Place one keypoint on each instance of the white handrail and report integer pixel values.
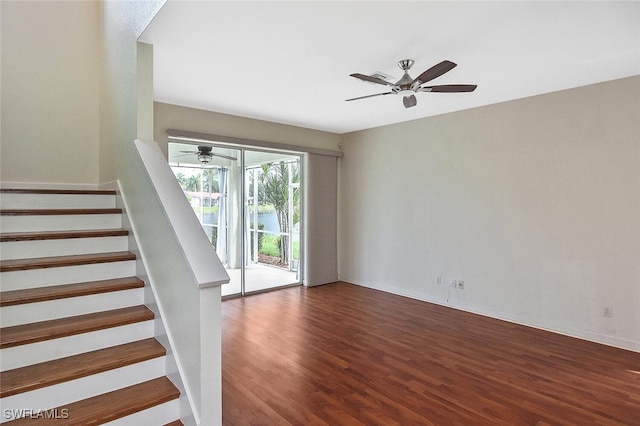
(190, 313)
(198, 252)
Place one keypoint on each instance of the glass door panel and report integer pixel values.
(248, 204)
(214, 190)
(272, 188)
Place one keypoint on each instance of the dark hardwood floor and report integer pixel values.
(341, 354)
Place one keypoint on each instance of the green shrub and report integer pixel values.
(270, 245)
(260, 235)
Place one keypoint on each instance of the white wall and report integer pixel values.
(50, 85)
(320, 219)
(534, 203)
(125, 105)
(122, 22)
(167, 116)
(68, 89)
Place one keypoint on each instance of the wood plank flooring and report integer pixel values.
(65, 291)
(57, 212)
(109, 406)
(68, 326)
(61, 235)
(341, 354)
(60, 370)
(60, 261)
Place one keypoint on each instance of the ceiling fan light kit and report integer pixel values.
(204, 158)
(409, 101)
(407, 86)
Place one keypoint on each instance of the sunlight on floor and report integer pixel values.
(259, 277)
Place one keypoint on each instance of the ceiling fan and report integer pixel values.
(407, 87)
(205, 155)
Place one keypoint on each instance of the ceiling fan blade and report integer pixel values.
(434, 71)
(409, 101)
(372, 79)
(449, 88)
(228, 157)
(190, 152)
(369, 96)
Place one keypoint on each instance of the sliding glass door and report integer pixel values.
(248, 203)
(272, 182)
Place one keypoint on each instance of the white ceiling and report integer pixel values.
(289, 62)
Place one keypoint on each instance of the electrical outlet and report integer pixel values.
(438, 280)
(460, 284)
(608, 311)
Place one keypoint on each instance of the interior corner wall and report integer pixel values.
(145, 91)
(122, 23)
(534, 203)
(50, 92)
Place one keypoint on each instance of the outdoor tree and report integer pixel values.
(274, 180)
(182, 180)
(193, 183)
(210, 180)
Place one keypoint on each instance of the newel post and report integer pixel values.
(210, 351)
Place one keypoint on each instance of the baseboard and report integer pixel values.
(112, 185)
(307, 284)
(49, 185)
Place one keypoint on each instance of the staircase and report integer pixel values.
(76, 343)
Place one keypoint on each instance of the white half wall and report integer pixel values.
(534, 203)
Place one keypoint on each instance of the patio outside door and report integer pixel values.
(248, 203)
(272, 188)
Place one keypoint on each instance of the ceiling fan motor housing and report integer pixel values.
(204, 154)
(406, 82)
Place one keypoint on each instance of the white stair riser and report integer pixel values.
(56, 201)
(16, 357)
(73, 222)
(62, 247)
(20, 356)
(54, 309)
(17, 280)
(86, 387)
(159, 415)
